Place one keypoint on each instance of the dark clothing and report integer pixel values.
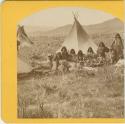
(80, 58)
(57, 59)
(101, 51)
(90, 55)
(64, 56)
(118, 47)
(113, 57)
(72, 58)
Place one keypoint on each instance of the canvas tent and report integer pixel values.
(23, 67)
(78, 39)
(22, 37)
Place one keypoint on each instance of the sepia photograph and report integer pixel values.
(70, 64)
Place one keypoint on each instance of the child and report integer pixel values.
(50, 61)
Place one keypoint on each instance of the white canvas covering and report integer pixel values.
(78, 39)
(22, 37)
(23, 67)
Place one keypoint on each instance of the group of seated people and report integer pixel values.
(90, 59)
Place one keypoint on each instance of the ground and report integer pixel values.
(77, 94)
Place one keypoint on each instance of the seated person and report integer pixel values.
(80, 57)
(100, 60)
(72, 56)
(90, 52)
(90, 57)
(102, 49)
(64, 53)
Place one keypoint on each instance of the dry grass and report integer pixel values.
(50, 44)
(73, 95)
(77, 94)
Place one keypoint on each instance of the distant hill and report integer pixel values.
(49, 39)
(37, 30)
(113, 25)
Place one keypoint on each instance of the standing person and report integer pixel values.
(117, 45)
(50, 61)
(57, 59)
(102, 49)
(112, 56)
(64, 59)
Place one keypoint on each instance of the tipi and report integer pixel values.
(23, 67)
(78, 39)
(22, 38)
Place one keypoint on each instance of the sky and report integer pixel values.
(55, 17)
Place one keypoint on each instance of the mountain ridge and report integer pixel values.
(109, 26)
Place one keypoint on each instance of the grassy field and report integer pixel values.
(77, 94)
(50, 44)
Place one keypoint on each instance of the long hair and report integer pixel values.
(101, 44)
(72, 51)
(80, 53)
(90, 50)
(64, 48)
(119, 37)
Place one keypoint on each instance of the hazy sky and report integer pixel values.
(55, 17)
